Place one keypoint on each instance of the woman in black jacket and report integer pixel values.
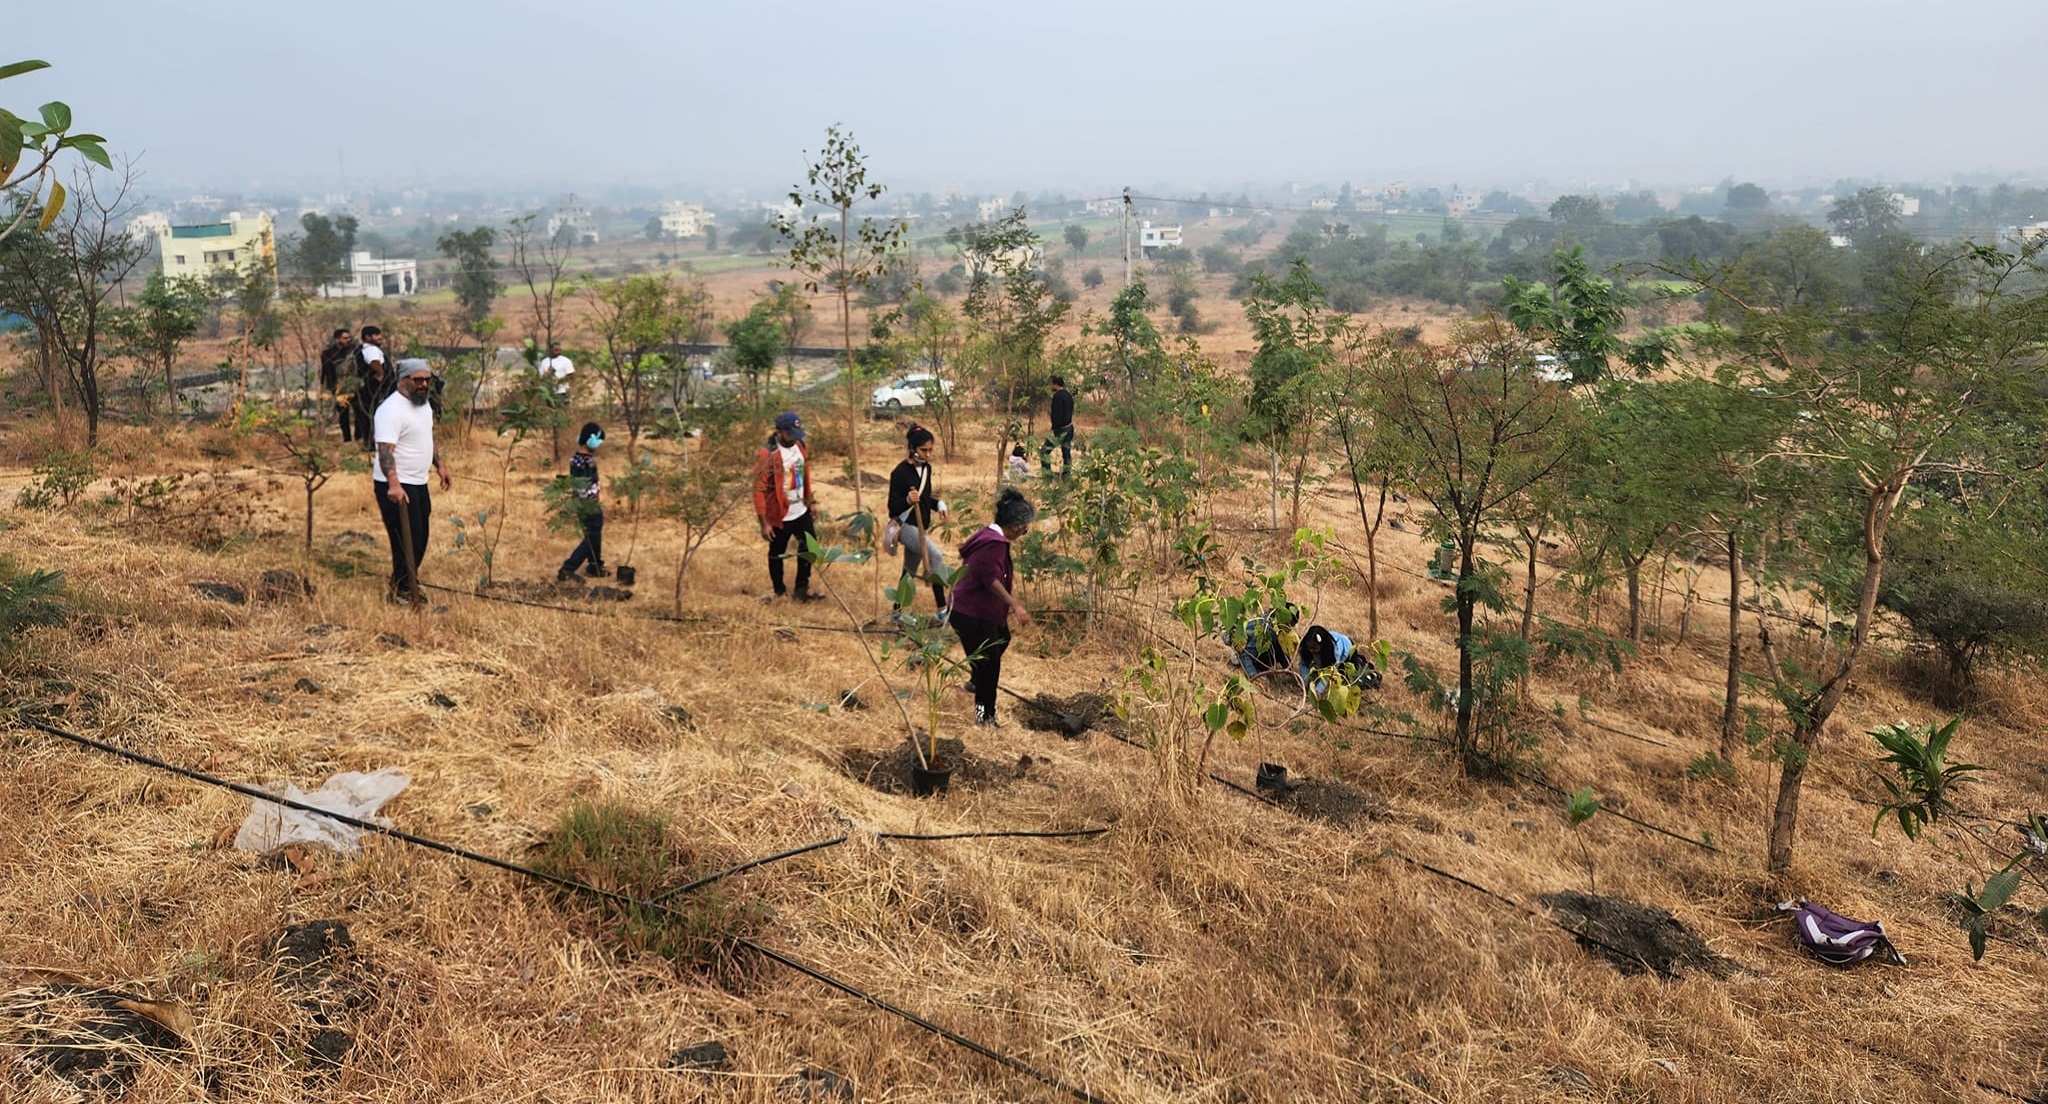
(913, 501)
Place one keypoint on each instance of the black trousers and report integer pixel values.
(592, 548)
(346, 415)
(984, 642)
(778, 547)
(419, 507)
(1064, 437)
(365, 424)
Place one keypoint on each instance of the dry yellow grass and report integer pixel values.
(1214, 949)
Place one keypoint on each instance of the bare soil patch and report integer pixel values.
(1635, 938)
(889, 770)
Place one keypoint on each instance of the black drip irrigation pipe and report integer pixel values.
(950, 1036)
(579, 887)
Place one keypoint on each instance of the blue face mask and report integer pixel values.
(591, 443)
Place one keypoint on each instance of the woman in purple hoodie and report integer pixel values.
(984, 599)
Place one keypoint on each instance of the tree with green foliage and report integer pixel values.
(66, 277)
(321, 256)
(1017, 312)
(1478, 432)
(1297, 337)
(1866, 218)
(165, 316)
(1077, 238)
(28, 155)
(1897, 385)
(840, 253)
(756, 342)
(477, 285)
(633, 317)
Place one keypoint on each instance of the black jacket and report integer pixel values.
(906, 478)
(1062, 409)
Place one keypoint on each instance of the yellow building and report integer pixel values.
(217, 246)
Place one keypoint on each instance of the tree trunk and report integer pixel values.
(1275, 513)
(1462, 736)
(1807, 723)
(309, 519)
(1534, 539)
(1633, 570)
(1731, 728)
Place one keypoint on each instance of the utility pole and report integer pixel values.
(1127, 236)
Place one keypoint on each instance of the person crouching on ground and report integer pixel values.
(913, 502)
(583, 478)
(783, 502)
(984, 598)
(404, 433)
(1325, 652)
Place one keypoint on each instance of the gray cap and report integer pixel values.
(413, 366)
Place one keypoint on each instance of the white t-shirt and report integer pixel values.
(561, 368)
(793, 476)
(409, 430)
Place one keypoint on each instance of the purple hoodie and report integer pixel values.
(984, 558)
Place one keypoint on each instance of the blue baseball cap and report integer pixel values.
(788, 422)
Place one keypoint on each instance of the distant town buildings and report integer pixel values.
(1461, 203)
(375, 279)
(230, 245)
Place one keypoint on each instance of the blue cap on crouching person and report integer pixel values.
(788, 422)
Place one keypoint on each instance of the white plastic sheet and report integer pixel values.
(350, 793)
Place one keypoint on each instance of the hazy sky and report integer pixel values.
(1085, 96)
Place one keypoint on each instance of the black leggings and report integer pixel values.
(984, 642)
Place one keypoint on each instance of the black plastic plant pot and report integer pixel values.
(926, 781)
(1272, 778)
(626, 575)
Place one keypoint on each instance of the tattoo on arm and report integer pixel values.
(387, 460)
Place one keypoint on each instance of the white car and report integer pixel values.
(908, 392)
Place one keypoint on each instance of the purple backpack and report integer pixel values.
(1835, 939)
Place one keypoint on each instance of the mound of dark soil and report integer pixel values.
(1092, 709)
(889, 770)
(1337, 802)
(95, 1039)
(1635, 938)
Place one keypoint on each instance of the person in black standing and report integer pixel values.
(913, 501)
(583, 477)
(374, 383)
(1062, 432)
(337, 357)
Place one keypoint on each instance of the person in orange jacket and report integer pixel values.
(784, 503)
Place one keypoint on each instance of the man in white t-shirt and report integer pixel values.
(560, 368)
(404, 432)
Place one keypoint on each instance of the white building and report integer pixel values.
(1908, 206)
(1152, 238)
(375, 279)
(148, 226)
(684, 220)
(571, 218)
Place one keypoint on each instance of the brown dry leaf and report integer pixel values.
(225, 838)
(169, 1015)
(188, 670)
(313, 881)
(301, 859)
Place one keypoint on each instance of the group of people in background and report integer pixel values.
(386, 408)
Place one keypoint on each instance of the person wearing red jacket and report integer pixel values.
(783, 502)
